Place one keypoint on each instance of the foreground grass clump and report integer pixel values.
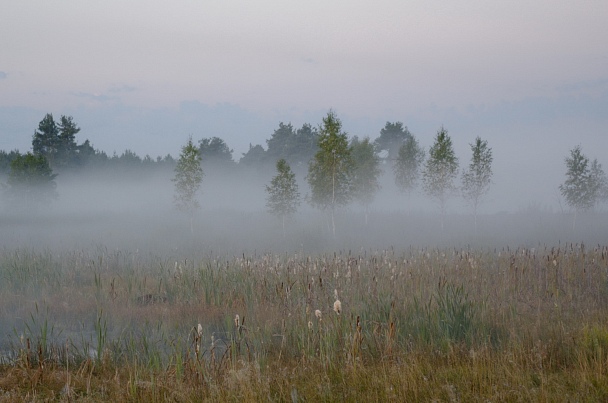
(388, 326)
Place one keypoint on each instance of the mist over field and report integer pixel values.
(121, 280)
(134, 211)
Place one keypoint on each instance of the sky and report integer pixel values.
(530, 76)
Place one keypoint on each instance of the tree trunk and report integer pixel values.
(475, 220)
(283, 217)
(333, 223)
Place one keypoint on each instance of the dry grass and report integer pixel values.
(454, 325)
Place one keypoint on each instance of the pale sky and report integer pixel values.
(147, 74)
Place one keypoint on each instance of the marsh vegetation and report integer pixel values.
(412, 324)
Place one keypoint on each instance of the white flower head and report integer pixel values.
(338, 307)
(199, 330)
(318, 314)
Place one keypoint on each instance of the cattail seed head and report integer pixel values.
(237, 321)
(338, 307)
(318, 314)
(199, 330)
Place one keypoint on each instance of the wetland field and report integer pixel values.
(132, 310)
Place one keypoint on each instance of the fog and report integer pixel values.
(133, 211)
(127, 219)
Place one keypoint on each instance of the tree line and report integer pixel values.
(338, 170)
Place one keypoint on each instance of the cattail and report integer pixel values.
(337, 307)
(199, 330)
(318, 314)
(336, 294)
(237, 321)
(309, 325)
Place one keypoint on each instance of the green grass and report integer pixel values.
(443, 324)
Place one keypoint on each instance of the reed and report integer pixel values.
(419, 324)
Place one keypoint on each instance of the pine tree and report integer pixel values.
(46, 140)
(67, 150)
(283, 196)
(188, 177)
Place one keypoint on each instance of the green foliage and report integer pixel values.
(57, 142)
(408, 163)
(477, 179)
(392, 137)
(254, 158)
(188, 178)
(306, 143)
(5, 160)
(283, 196)
(330, 172)
(215, 151)
(366, 171)
(595, 343)
(440, 170)
(31, 182)
(488, 328)
(46, 139)
(450, 316)
(68, 150)
(280, 144)
(297, 147)
(128, 159)
(585, 183)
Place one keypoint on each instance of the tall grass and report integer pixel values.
(420, 324)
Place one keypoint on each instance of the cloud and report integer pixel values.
(3, 75)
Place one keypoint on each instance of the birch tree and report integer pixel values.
(440, 171)
(476, 180)
(188, 178)
(283, 195)
(330, 171)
